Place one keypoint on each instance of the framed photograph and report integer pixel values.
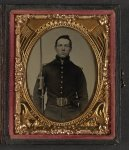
(62, 74)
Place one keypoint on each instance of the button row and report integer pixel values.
(61, 87)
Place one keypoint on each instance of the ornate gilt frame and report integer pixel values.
(98, 28)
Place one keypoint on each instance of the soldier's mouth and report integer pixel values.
(63, 54)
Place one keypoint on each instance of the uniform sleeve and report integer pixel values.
(37, 92)
(82, 90)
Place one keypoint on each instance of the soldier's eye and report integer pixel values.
(67, 45)
(59, 45)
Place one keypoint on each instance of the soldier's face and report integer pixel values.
(63, 48)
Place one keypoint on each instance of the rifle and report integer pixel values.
(41, 79)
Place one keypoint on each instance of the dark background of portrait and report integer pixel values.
(122, 142)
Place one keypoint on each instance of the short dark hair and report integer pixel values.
(64, 37)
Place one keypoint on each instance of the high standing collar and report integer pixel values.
(66, 59)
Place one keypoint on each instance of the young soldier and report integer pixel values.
(64, 83)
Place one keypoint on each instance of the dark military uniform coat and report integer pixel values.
(62, 80)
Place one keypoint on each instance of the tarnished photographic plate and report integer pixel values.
(71, 53)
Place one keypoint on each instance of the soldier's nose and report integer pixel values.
(63, 48)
